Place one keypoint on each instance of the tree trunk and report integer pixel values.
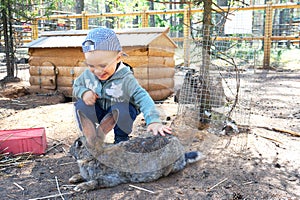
(8, 39)
(152, 20)
(11, 45)
(220, 19)
(79, 8)
(181, 20)
(135, 21)
(109, 20)
(207, 25)
(205, 104)
(172, 24)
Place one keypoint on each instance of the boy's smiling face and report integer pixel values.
(102, 63)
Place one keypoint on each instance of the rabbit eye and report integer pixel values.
(78, 143)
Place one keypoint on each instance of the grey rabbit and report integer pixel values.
(137, 160)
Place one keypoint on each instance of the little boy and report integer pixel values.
(109, 84)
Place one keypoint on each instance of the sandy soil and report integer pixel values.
(261, 163)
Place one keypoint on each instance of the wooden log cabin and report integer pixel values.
(56, 59)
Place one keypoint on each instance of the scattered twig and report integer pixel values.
(1, 152)
(19, 186)
(228, 142)
(68, 163)
(143, 189)
(8, 160)
(52, 196)
(247, 183)
(270, 139)
(293, 133)
(209, 189)
(287, 131)
(9, 136)
(58, 189)
(53, 147)
(66, 153)
(68, 186)
(237, 78)
(15, 164)
(58, 141)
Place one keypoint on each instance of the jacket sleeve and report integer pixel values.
(79, 86)
(143, 100)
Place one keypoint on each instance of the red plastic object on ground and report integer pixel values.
(32, 140)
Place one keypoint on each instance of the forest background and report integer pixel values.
(17, 15)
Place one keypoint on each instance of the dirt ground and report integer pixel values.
(261, 163)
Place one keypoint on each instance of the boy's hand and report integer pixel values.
(89, 98)
(159, 128)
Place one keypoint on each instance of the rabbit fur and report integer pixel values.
(137, 160)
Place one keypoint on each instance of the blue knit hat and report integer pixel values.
(101, 39)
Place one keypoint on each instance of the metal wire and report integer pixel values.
(211, 94)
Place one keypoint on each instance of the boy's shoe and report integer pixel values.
(120, 139)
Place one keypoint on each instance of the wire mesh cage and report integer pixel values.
(214, 94)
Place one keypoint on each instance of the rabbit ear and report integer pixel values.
(108, 122)
(88, 128)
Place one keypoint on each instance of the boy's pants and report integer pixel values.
(127, 115)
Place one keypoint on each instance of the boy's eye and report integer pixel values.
(102, 66)
(92, 66)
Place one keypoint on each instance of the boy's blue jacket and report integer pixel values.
(121, 87)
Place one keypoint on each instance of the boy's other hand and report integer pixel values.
(89, 98)
(158, 128)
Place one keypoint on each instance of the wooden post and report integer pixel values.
(268, 35)
(186, 34)
(145, 16)
(85, 21)
(35, 29)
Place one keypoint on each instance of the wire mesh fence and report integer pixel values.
(214, 95)
(21, 64)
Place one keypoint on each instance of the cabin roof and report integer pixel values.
(136, 37)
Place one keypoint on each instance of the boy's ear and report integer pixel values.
(119, 56)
